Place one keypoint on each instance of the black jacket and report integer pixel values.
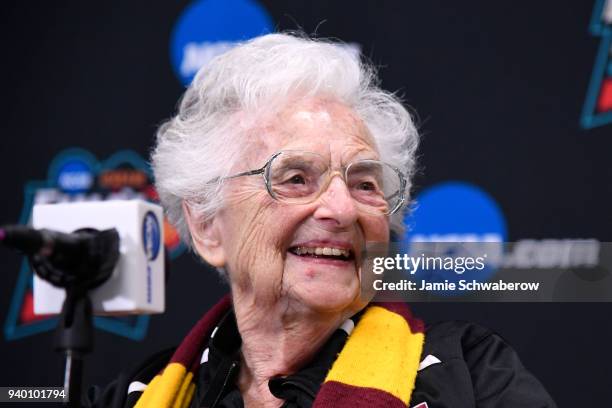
(463, 365)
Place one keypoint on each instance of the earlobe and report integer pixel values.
(205, 237)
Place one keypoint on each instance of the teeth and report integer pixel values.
(322, 251)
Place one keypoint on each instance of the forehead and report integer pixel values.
(323, 126)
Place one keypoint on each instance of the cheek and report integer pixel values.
(375, 229)
(257, 245)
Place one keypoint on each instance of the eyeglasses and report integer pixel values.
(299, 177)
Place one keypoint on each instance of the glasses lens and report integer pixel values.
(375, 185)
(296, 176)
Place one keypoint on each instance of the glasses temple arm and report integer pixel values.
(246, 173)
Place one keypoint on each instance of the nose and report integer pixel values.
(336, 207)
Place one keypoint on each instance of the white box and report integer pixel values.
(137, 284)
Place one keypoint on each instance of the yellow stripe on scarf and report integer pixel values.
(382, 353)
(169, 389)
(143, 401)
(189, 396)
(179, 402)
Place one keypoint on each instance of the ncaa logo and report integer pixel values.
(208, 28)
(452, 215)
(151, 236)
(75, 176)
(455, 212)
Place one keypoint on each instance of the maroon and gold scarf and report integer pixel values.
(376, 368)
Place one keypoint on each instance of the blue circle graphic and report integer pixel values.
(75, 176)
(208, 28)
(151, 235)
(454, 220)
(457, 208)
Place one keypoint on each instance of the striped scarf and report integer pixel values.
(376, 368)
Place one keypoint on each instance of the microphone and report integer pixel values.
(92, 257)
(114, 248)
(85, 257)
(43, 242)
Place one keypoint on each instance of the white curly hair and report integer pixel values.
(202, 142)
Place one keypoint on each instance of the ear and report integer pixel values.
(205, 237)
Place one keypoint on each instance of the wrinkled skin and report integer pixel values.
(290, 304)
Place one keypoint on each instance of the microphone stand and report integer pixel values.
(78, 274)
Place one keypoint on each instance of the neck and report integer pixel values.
(277, 340)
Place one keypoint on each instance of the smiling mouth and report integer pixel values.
(339, 254)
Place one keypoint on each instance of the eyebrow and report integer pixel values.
(362, 155)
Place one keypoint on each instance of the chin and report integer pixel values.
(328, 298)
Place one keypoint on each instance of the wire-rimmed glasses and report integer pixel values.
(300, 177)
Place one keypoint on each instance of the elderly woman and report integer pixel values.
(284, 160)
